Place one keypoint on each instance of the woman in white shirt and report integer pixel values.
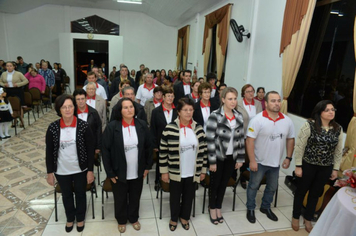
(127, 158)
(70, 159)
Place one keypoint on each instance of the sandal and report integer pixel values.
(213, 221)
(172, 227)
(185, 226)
(136, 226)
(220, 219)
(122, 228)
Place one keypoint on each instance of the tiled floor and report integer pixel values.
(27, 201)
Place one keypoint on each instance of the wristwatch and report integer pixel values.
(289, 158)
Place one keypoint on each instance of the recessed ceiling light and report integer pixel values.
(130, 1)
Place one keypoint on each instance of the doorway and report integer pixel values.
(86, 50)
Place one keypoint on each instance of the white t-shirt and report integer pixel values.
(270, 137)
(186, 89)
(99, 90)
(82, 115)
(131, 151)
(188, 146)
(213, 91)
(205, 111)
(230, 148)
(143, 93)
(67, 155)
(91, 102)
(9, 79)
(251, 110)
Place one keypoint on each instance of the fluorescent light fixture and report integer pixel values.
(130, 1)
(335, 12)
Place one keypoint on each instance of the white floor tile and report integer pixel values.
(59, 229)
(238, 223)
(203, 226)
(103, 228)
(163, 228)
(148, 228)
(267, 224)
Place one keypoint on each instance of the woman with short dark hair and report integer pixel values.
(70, 159)
(127, 158)
(183, 161)
(318, 153)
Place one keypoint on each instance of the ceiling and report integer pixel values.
(169, 12)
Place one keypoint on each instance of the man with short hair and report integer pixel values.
(48, 75)
(91, 65)
(91, 77)
(112, 74)
(145, 91)
(182, 88)
(21, 65)
(211, 79)
(129, 92)
(139, 74)
(123, 75)
(104, 69)
(37, 66)
(267, 135)
(119, 95)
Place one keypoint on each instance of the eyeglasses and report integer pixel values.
(332, 109)
(67, 107)
(206, 92)
(250, 91)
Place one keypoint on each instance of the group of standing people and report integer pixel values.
(214, 134)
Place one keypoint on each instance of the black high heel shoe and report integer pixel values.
(213, 221)
(172, 227)
(70, 228)
(185, 226)
(80, 228)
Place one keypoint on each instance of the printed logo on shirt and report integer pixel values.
(130, 147)
(66, 144)
(250, 129)
(186, 148)
(276, 136)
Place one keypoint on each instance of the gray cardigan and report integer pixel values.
(218, 135)
(242, 110)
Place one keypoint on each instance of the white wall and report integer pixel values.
(35, 34)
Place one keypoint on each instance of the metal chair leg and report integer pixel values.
(92, 199)
(160, 207)
(204, 199)
(102, 203)
(55, 206)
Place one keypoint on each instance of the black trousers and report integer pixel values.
(181, 198)
(79, 181)
(58, 87)
(127, 200)
(219, 180)
(313, 180)
(16, 92)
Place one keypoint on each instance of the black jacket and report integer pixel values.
(94, 122)
(114, 88)
(141, 114)
(114, 158)
(178, 92)
(198, 116)
(158, 123)
(84, 141)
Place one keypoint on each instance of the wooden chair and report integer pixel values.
(16, 108)
(106, 187)
(53, 93)
(164, 187)
(36, 100)
(28, 103)
(206, 183)
(90, 187)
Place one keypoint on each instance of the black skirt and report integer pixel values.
(5, 116)
(16, 92)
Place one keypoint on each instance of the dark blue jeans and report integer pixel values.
(272, 174)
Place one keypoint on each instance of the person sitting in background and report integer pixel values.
(182, 162)
(97, 102)
(119, 95)
(145, 91)
(154, 102)
(127, 158)
(260, 96)
(195, 93)
(36, 80)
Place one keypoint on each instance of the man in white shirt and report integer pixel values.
(91, 77)
(267, 135)
(145, 91)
